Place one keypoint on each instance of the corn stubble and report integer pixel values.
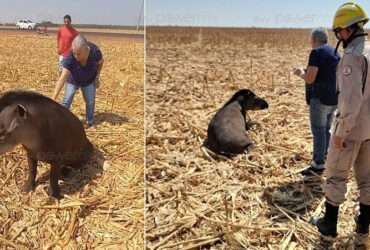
(103, 204)
(257, 200)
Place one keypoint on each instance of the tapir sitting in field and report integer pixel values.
(226, 133)
(48, 132)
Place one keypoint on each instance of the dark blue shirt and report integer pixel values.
(83, 75)
(324, 86)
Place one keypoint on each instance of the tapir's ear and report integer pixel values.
(21, 111)
(249, 93)
(20, 115)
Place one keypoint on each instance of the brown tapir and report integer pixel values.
(48, 132)
(226, 134)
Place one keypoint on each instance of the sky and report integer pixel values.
(114, 12)
(244, 13)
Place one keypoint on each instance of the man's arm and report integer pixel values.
(97, 79)
(100, 66)
(60, 83)
(309, 76)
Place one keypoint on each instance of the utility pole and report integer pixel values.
(140, 15)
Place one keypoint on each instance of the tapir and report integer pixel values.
(48, 132)
(227, 130)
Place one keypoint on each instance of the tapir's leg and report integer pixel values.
(239, 144)
(32, 172)
(249, 125)
(65, 172)
(54, 178)
(247, 143)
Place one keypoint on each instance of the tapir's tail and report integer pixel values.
(209, 146)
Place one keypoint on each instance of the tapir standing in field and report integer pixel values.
(226, 133)
(48, 131)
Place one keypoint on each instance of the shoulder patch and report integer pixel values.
(347, 70)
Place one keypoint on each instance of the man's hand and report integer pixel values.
(97, 82)
(338, 142)
(298, 71)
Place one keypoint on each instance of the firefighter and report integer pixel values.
(350, 140)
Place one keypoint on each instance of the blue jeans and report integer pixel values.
(321, 117)
(88, 93)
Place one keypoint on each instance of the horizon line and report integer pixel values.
(234, 27)
(127, 25)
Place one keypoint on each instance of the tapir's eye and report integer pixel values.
(2, 135)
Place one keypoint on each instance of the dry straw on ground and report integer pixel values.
(103, 204)
(253, 201)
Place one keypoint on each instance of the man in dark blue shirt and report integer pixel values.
(321, 95)
(81, 69)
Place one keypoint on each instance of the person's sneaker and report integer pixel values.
(313, 169)
(360, 241)
(89, 125)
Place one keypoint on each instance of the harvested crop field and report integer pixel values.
(103, 203)
(195, 200)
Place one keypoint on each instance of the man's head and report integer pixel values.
(319, 36)
(67, 20)
(345, 34)
(80, 48)
(349, 18)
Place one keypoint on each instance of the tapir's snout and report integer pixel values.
(260, 103)
(6, 147)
